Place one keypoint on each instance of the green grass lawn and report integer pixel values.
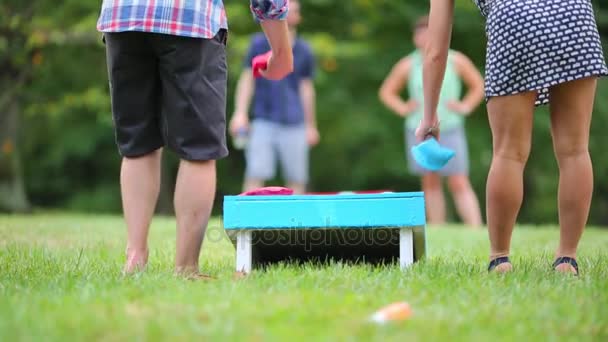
(60, 280)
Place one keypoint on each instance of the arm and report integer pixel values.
(392, 87)
(435, 59)
(272, 19)
(474, 82)
(244, 92)
(242, 99)
(307, 94)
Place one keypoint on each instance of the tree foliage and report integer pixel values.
(67, 143)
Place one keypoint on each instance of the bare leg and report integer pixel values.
(298, 188)
(140, 185)
(194, 195)
(511, 123)
(465, 200)
(251, 184)
(571, 107)
(435, 200)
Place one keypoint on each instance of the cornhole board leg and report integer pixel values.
(406, 247)
(243, 251)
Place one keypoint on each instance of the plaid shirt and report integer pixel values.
(189, 18)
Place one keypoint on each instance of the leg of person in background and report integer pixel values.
(139, 185)
(260, 155)
(434, 197)
(465, 200)
(293, 151)
(571, 106)
(511, 123)
(194, 195)
(251, 184)
(298, 188)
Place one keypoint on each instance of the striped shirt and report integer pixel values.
(189, 18)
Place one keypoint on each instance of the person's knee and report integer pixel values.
(568, 148)
(296, 175)
(516, 151)
(459, 183)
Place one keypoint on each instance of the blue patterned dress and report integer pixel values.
(536, 44)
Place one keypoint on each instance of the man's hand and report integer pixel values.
(280, 63)
(459, 107)
(279, 66)
(312, 135)
(239, 121)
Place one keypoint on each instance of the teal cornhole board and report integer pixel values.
(380, 227)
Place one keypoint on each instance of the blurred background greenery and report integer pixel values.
(56, 140)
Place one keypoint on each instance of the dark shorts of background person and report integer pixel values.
(455, 139)
(168, 91)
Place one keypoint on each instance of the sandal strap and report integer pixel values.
(566, 260)
(497, 261)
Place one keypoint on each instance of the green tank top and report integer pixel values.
(450, 91)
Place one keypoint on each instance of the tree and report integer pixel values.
(26, 29)
(17, 56)
(54, 74)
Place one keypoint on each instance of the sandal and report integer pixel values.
(496, 262)
(566, 260)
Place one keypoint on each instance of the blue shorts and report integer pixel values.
(269, 141)
(454, 139)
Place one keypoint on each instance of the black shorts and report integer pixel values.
(168, 91)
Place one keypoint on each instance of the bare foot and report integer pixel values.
(239, 275)
(136, 261)
(500, 264)
(192, 273)
(197, 276)
(565, 268)
(505, 267)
